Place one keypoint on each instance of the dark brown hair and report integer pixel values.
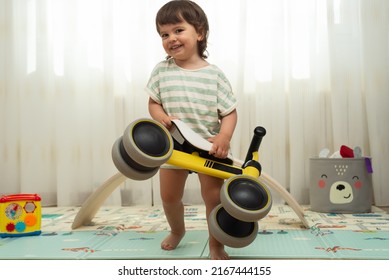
(177, 11)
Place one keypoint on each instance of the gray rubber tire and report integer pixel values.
(230, 231)
(138, 173)
(245, 198)
(148, 142)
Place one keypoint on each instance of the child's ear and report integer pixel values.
(201, 34)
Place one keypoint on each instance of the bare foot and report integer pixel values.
(172, 241)
(217, 252)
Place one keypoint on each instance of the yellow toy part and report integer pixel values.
(20, 215)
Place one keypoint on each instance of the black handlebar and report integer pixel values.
(259, 132)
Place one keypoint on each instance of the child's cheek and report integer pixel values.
(322, 184)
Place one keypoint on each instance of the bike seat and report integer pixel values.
(181, 132)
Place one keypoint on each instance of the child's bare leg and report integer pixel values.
(210, 191)
(172, 183)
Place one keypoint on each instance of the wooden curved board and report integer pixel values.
(93, 203)
(90, 207)
(271, 183)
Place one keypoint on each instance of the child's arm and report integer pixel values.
(158, 113)
(221, 142)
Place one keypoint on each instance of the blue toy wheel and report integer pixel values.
(244, 198)
(148, 142)
(230, 231)
(127, 166)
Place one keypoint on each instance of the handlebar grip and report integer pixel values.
(259, 132)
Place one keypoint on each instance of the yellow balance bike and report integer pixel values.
(147, 144)
(245, 197)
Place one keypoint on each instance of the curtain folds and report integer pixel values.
(314, 73)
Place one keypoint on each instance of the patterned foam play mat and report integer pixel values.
(136, 232)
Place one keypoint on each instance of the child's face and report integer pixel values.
(180, 40)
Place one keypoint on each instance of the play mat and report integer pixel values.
(135, 233)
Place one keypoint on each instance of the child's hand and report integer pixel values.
(167, 121)
(220, 147)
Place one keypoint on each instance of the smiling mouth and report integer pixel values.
(173, 48)
(347, 196)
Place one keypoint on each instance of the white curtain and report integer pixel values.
(314, 73)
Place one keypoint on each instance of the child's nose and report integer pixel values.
(172, 38)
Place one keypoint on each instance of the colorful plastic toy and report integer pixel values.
(20, 215)
(245, 197)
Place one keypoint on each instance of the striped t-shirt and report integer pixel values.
(197, 97)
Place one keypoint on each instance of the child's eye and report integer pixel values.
(164, 35)
(179, 30)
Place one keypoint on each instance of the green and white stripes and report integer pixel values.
(197, 97)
